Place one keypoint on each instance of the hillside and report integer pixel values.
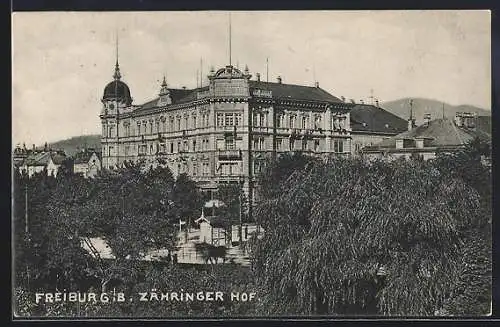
(71, 145)
(421, 106)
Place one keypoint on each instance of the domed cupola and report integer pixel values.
(117, 90)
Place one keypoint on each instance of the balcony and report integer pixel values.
(229, 154)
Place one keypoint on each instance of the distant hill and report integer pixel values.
(421, 106)
(72, 145)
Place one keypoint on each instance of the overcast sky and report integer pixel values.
(63, 60)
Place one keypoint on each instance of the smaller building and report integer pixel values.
(87, 163)
(433, 136)
(371, 125)
(21, 153)
(45, 161)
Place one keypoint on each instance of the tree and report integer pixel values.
(349, 236)
(187, 198)
(235, 208)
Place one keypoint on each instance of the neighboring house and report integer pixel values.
(20, 154)
(49, 161)
(87, 163)
(371, 125)
(439, 135)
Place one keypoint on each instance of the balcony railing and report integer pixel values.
(229, 154)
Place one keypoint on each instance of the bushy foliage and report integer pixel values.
(391, 238)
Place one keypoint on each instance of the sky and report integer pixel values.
(63, 60)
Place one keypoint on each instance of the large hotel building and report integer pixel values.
(225, 131)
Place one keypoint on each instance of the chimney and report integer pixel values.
(45, 147)
(427, 119)
(316, 84)
(278, 79)
(376, 103)
(33, 148)
(258, 77)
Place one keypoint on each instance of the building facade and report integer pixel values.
(433, 136)
(45, 161)
(87, 163)
(222, 132)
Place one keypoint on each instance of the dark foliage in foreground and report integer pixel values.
(389, 238)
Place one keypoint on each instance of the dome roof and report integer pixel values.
(117, 90)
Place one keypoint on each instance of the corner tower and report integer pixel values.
(116, 100)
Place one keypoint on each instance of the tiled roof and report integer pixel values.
(292, 91)
(42, 158)
(368, 118)
(37, 159)
(441, 132)
(82, 157)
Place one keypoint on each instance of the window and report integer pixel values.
(194, 122)
(304, 122)
(258, 143)
(304, 144)
(338, 145)
(178, 123)
(179, 149)
(279, 144)
(292, 144)
(262, 119)
(186, 122)
(206, 169)
(357, 147)
(171, 124)
(104, 130)
(195, 169)
(162, 148)
(229, 143)
(144, 127)
(185, 146)
(126, 150)
(220, 119)
(229, 120)
(194, 145)
(279, 121)
(317, 122)
(158, 126)
(138, 128)
(110, 151)
(151, 148)
(237, 120)
(171, 147)
(316, 145)
(292, 121)
(150, 127)
(258, 166)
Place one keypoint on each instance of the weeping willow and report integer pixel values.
(384, 238)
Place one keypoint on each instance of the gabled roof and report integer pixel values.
(43, 158)
(296, 92)
(84, 156)
(368, 118)
(440, 132)
(37, 159)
